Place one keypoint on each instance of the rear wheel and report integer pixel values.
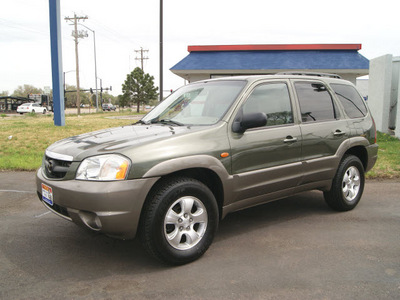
(179, 221)
(347, 185)
(44, 111)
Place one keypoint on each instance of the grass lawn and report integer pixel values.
(23, 140)
(388, 164)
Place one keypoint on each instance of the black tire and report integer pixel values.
(179, 220)
(347, 186)
(33, 111)
(44, 111)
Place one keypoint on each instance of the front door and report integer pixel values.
(267, 159)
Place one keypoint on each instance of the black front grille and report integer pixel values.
(54, 168)
(55, 207)
(61, 210)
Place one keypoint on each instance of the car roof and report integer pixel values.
(330, 78)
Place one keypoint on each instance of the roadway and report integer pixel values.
(294, 248)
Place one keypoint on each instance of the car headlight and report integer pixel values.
(104, 168)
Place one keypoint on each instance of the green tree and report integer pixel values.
(123, 100)
(3, 93)
(139, 88)
(25, 90)
(71, 96)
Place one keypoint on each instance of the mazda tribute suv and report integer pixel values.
(211, 148)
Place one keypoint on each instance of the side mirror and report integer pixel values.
(247, 121)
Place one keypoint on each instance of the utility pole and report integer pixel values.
(77, 34)
(141, 58)
(101, 91)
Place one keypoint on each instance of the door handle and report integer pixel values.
(290, 139)
(338, 132)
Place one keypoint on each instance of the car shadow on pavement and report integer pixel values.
(68, 252)
(49, 245)
(296, 207)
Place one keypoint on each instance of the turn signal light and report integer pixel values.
(122, 170)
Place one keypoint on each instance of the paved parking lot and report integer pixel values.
(295, 248)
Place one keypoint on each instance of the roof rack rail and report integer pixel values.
(310, 74)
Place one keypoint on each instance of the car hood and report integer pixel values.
(113, 140)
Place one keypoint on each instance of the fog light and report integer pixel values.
(91, 220)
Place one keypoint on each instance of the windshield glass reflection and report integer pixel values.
(202, 103)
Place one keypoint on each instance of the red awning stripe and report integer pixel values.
(292, 47)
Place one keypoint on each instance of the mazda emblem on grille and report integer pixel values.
(50, 166)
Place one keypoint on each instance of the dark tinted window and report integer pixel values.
(273, 100)
(315, 102)
(351, 100)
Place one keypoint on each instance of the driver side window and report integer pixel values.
(272, 99)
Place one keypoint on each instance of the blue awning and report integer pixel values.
(273, 60)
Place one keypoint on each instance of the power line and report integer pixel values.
(114, 34)
(21, 27)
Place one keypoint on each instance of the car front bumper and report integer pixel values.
(111, 207)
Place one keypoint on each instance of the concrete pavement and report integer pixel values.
(294, 248)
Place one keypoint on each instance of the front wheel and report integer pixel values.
(179, 220)
(347, 185)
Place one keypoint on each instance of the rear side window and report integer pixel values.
(273, 100)
(351, 100)
(315, 102)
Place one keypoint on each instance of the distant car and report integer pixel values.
(108, 106)
(31, 108)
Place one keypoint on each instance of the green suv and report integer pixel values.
(211, 148)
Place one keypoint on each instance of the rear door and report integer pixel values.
(267, 159)
(323, 130)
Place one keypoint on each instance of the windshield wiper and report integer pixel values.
(142, 122)
(168, 121)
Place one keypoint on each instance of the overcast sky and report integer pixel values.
(123, 26)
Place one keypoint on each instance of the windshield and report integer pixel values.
(203, 103)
